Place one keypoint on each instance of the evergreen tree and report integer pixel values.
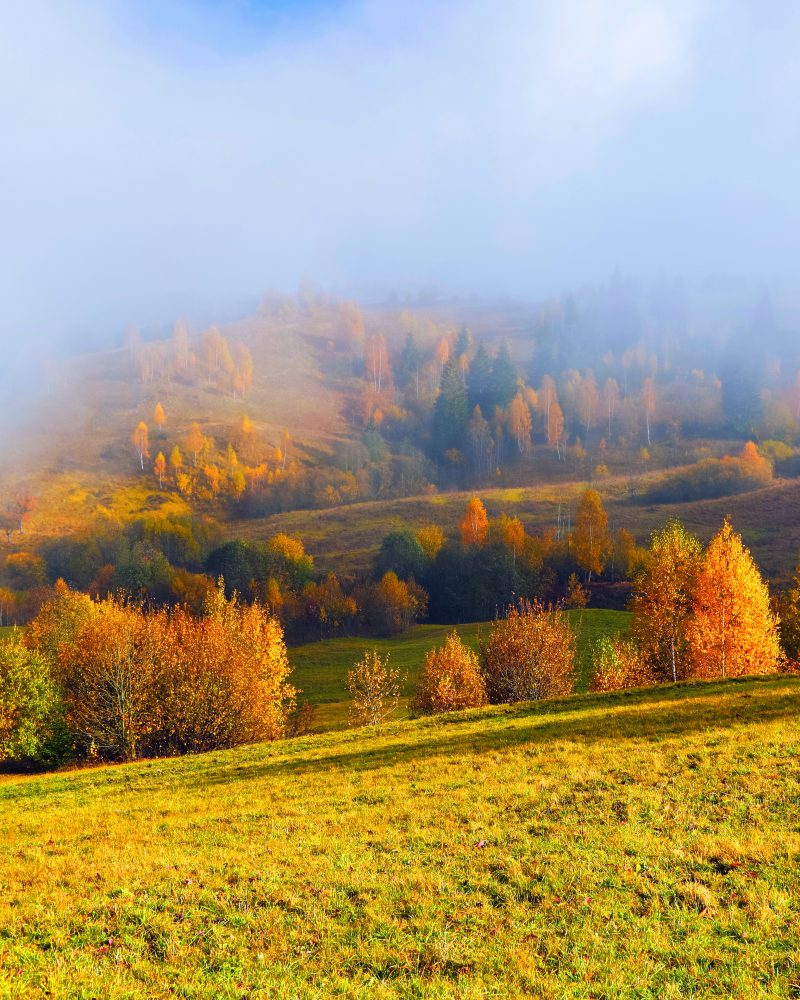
(479, 379)
(451, 412)
(503, 384)
(408, 364)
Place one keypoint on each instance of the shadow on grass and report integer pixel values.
(652, 715)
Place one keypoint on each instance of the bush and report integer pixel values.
(136, 683)
(530, 654)
(451, 680)
(618, 663)
(31, 718)
(374, 687)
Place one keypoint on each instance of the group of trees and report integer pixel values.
(208, 358)
(696, 614)
(111, 679)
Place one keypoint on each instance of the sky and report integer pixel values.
(181, 157)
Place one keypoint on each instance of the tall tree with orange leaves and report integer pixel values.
(732, 630)
(474, 523)
(160, 468)
(661, 601)
(159, 416)
(140, 439)
(591, 537)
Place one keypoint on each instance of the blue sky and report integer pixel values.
(166, 158)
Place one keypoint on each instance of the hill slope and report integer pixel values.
(635, 845)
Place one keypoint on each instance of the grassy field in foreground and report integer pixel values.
(633, 845)
(320, 668)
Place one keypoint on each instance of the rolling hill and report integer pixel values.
(633, 845)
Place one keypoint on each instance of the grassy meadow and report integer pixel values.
(638, 845)
(320, 668)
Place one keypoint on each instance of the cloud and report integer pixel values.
(157, 166)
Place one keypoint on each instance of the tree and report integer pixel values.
(519, 422)
(588, 399)
(732, 630)
(661, 601)
(195, 443)
(374, 687)
(618, 663)
(481, 444)
(451, 412)
(160, 468)
(475, 523)
(175, 461)
(479, 379)
(431, 538)
(159, 416)
(512, 535)
(401, 553)
(450, 680)
(546, 397)
(648, 403)
(530, 654)
(610, 401)
(140, 439)
(555, 426)
(30, 707)
(377, 362)
(408, 364)
(393, 605)
(503, 386)
(591, 537)
(180, 340)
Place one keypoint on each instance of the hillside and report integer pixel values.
(320, 668)
(633, 845)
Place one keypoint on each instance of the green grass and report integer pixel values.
(640, 845)
(320, 668)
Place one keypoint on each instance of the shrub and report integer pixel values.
(530, 654)
(31, 720)
(226, 681)
(618, 663)
(393, 605)
(110, 677)
(451, 680)
(374, 687)
(58, 621)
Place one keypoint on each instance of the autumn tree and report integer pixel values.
(195, 443)
(374, 688)
(511, 533)
(159, 416)
(519, 422)
(732, 630)
(648, 403)
(619, 663)
(140, 439)
(160, 468)
(431, 538)
(450, 681)
(611, 399)
(555, 426)
(662, 603)
(475, 523)
(376, 360)
(529, 654)
(591, 537)
(588, 399)
(180, 344)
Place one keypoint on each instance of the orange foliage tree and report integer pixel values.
(160, 468)
(450, 681)
(431, 538)
(140, 439)
(661, 600)
(159, 416)
(618, 663)
(519, 422)
(732, 630)
(530, 654)
(475, 523)
(591, 537)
